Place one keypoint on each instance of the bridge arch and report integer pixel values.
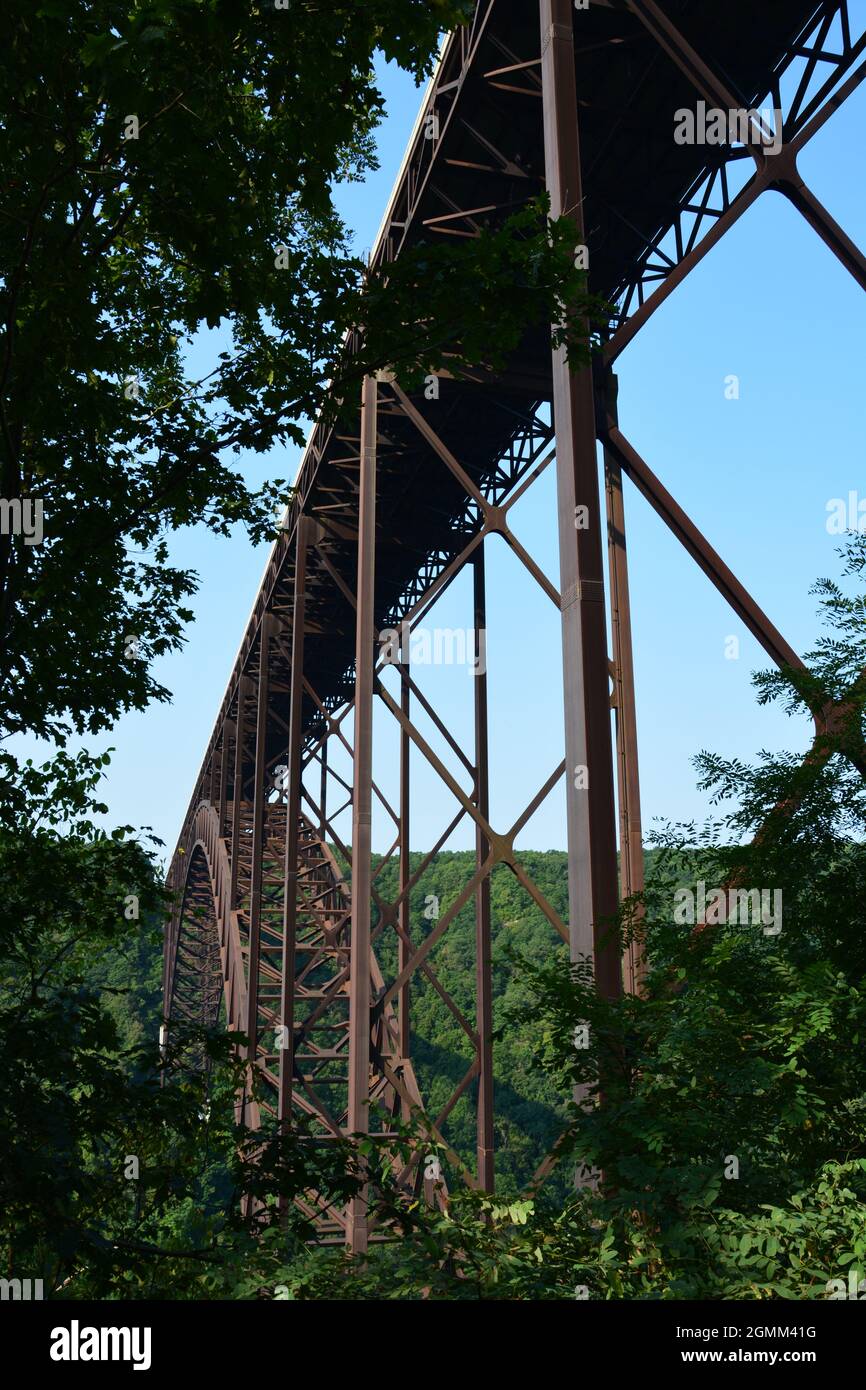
(208, 964)
(203, 935)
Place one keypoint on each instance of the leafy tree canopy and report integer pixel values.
(170, 169)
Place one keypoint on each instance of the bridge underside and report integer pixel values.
(274, 904)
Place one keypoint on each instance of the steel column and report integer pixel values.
(631, 864)
(404, 913)
(238, 785)
(214, 775)
(259, 799)
(293, 813)
(483, 965)
(362, 805)
(323, 789)
(224, 774)
(591, 816)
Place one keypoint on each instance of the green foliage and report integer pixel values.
(529, 1108)
(122, 1169)
(172, 166)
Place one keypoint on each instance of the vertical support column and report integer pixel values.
(404, 915)
(483, 966)
(362, 806)
(627, 764)
(259, 799)
(224, 775)
(293, 813)
(214, 774)
(170, 932)
(238, 785)
(592, 867)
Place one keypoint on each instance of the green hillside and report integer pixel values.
(527, 1108)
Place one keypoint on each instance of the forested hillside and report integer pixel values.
(129, 978)
(527, 1108)
(529, 1111)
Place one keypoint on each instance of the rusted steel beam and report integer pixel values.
(213, 787)
(803, 199)
(244, 688)
(224, 774)
(359, 987)
(404, 945)
(631, 863)
(698, 546)
(437, 445)
(591, 817)
(293, 813)
(260, 796)
(484, 1170)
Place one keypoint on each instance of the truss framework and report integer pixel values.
(275, 913)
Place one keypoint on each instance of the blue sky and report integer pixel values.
(772, 305)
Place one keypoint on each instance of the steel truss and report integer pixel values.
(273, 909)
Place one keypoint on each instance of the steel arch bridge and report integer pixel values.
(276, 918)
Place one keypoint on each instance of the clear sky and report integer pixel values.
(772, 305)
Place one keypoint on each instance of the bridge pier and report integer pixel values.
(294, 773)
(591, 815)
(484, 1170)
(362, 801)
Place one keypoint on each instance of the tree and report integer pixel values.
(170, 168)
(123, 1165)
